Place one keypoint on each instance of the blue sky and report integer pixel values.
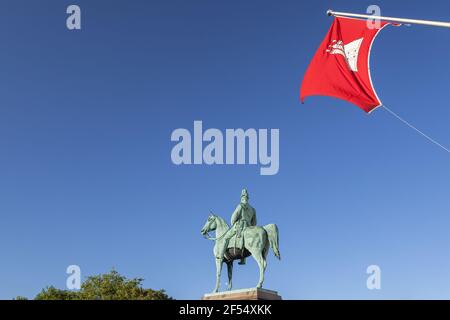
(86, 176)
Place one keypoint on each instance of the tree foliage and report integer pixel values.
(108, 286)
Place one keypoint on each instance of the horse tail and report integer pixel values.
(272, 233)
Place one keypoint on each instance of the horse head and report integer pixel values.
(210, 224)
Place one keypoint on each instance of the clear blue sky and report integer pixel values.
(85, 171)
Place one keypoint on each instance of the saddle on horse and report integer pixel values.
(236, 249)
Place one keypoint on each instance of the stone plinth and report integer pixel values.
(243, 294)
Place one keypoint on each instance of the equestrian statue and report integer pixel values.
(243, 239)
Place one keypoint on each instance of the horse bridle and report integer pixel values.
(208, 237)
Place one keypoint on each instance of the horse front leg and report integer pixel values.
(219, 262)
(230, 274)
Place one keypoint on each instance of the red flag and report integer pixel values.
(340, 67)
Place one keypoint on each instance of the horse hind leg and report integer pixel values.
(264, 259)
(266, 250)
(262, 266)
(264, 262)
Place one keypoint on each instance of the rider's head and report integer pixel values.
(244, 196)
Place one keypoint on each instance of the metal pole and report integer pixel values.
(391, 19)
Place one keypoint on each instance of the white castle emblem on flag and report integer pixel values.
(349, 51)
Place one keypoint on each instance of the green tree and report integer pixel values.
(109, 286)
(113, 286)
(52, 293)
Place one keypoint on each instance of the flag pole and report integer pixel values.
(390, 19)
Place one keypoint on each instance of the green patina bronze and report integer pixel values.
(243, 239)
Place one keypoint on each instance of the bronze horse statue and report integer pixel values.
(256, 242)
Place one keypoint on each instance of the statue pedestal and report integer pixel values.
(243, 294)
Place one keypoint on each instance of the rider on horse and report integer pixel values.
(243, 216)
